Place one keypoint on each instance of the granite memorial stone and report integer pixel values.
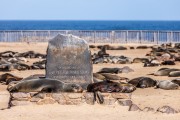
(69, 60)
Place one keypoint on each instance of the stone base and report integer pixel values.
(4, 100)
(19, 99)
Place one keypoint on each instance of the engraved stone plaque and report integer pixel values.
(69, 60)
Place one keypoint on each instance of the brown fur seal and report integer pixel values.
(45, 85)
(164, 71)
(167, 85)
(176, 81)
(141, 60)
(174, 74)
(109, 86)
(142, 47)
(7, 78)
(105, 86)
(110, 70)
(143, 82)
(99, 76)
(127, 88)
(109, 76)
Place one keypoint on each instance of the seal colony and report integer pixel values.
(107, 79)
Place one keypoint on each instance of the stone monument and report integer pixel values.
(69, 60)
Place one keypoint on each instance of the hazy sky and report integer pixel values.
(90, 9)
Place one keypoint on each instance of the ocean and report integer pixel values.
(88, 25)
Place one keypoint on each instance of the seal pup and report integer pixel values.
(167, 85)
(45, 85)
(143, 82)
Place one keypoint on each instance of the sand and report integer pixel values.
(149, 97)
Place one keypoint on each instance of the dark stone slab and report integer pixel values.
(69, 60)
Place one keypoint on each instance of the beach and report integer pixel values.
(148, 97)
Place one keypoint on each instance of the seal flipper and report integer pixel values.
(99, 97)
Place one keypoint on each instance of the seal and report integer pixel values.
(127, 88)
(168, 62)
(110, 70)
(164, 71)
(174, 74)
(45, 85)
(176, 81)
(167, 85)
(99, 76)
(104, 86)
(143, 82)
(7, 78)
(109, 76)
(109, 86)
(141, 60)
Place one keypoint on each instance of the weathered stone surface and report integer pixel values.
(69, 60)
(38, 95)
(68, 98)
(121, 95)
(46, 100)
(74, 95)
(89, 98)
(125, 102)
(58, 96)
(134, 107)
(20, 103)
(34, 99)
(20, 95)
(4, 99)
(110, 101)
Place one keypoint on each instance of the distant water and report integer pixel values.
(90, 25)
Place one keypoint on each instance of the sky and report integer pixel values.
(89, 9)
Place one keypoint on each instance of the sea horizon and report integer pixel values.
(169, 25)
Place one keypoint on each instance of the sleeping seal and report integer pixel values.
(140, 60)
(167, 85)
(45, 85)
(174, 74)
(176, 81)
(143, 82)
(165, 71)
(109, 76)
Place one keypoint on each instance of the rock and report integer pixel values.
(4, 99)
(134, 107)
(46, 100)
(34, 99)
(20, 103)
(38, 95)
(74, 95)
(69, 60)
(89, 98)
(125, 102)
(167, 110)
(109, 101)
(148, 109)
(121, 95)
(20, 95)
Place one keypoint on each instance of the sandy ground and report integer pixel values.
(149, 97)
